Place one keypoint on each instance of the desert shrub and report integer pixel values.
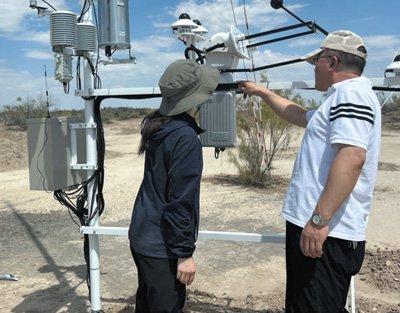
(390, 105)
(255, 156)
(390, 109)
(312, 104)
(122, 113)
(16, 115)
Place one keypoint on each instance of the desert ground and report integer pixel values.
(42, 247)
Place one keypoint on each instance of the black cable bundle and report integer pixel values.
(76, 200)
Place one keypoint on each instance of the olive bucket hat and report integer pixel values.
(185, 84)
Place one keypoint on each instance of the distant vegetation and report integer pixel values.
(390, 110)
(15, 115)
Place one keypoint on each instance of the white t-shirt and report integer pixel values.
(350, 115)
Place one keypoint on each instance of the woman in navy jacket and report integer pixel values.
(165, 216)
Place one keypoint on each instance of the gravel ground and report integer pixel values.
(41, 246)
(381, 268)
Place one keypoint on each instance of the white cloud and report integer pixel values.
(381, 41)
(162, 25)
(35, 36)
(364, 19)
(296, 71)
(12, 14)
(19, 22)
(18, 83)
(305, 42)
(39, 54)
(381, 48)
(260, 15)
(15, 84)
(154, 44)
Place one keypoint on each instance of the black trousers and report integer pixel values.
(159, 291)
(320, 285)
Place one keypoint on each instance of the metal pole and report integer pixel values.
(353, 295)
(279, 39)
(191, 41)
(277, 30)
(92, 158)
(261, 67)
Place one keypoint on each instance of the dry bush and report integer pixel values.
(253, 163)
(109, 114)
(16, 115)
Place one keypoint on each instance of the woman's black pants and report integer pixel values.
(158, 289)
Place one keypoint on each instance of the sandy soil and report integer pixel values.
(42, 247)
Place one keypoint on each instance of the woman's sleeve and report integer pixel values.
(179, 221)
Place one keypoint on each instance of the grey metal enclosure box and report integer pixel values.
(49, 153)
(218, 118)
(114, 24)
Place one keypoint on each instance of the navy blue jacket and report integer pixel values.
(165, 215)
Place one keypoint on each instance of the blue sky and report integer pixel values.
(25, 47)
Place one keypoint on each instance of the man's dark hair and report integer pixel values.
(350, 61)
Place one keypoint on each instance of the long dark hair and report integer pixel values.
(150, 124)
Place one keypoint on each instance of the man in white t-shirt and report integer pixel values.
(330, 194)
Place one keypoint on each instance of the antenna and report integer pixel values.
(47, 92)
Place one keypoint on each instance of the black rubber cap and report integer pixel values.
(276, 4)
(184, 16)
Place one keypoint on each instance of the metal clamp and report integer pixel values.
(87, 167)
(82, 125)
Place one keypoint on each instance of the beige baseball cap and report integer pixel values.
(340, 40)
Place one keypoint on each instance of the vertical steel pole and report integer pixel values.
(191, 41)
(353, 295)
(92, 158)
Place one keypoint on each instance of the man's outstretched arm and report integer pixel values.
(285, 108)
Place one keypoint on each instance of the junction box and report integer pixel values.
(49, 153)
(218, 118)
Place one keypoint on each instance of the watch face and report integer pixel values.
(317, 220)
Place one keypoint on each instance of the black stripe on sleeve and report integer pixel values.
(349, 105)
(350, 110)
(353, 116)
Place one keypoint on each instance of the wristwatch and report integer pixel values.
(318, 220)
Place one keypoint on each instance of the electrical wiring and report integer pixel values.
(85, 9)
(46, 137)
(78, 74)
(248, 33)
(97, 77)
(49, 5)
(45, 132)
